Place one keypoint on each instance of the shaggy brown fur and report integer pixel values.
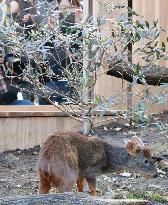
(69, 157)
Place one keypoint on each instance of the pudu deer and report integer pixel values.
(69, 157)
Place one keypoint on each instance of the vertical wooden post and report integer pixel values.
(97, 11)
(90, 7)
(87, 8)
(98, 8)
(129, 90)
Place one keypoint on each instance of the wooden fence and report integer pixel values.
(26, 126)
(110, 86)
(23, 127)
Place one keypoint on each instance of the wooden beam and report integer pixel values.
(45, 111)
(90, 7)
(98, 8)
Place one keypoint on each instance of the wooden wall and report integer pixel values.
(153, 10)
(107, 85)
(110, 86)
(26, 126)
(23, 127)
(26, 132)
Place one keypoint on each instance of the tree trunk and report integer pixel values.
(66, 199)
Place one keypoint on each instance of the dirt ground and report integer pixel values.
(18, 176)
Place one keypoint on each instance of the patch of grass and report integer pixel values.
(135, 195)
(148, 195)
(156, 197)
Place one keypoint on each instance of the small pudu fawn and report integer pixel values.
(69, 157)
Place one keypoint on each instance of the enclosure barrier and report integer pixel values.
(23, 127)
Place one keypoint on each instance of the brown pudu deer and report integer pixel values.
(69, 157)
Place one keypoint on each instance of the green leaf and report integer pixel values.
(149, 43)
(137, 37)
(163, 47)
(110, 100)
(156, 44)
(115, 48)
(157, 54)
(137, 69)
(131, 12)
(164, 85)
(98, 100)
(147, 24)
(157, 35)
(113, 34)
(126, 47)
(139, 25)
(155, 23)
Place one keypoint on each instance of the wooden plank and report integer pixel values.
(152, 10)
(20, 114)
(42, 111)
(27, 108)
(28, 132)
(107, 85)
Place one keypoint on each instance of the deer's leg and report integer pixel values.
(67, 181)
(80, 184)
(65, 185)
(44, 186)
(92, 185)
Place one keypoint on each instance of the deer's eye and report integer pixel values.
(146, 161)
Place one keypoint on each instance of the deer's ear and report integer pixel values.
(137, 141)
(132, 148)
(147, 152)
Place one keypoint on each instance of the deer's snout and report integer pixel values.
(156, 175)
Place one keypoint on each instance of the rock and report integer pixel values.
(67, 199)
(109, 194)
(125, 174)
(19, 186)
(117, 129)
(105, 128)
(121, 195)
